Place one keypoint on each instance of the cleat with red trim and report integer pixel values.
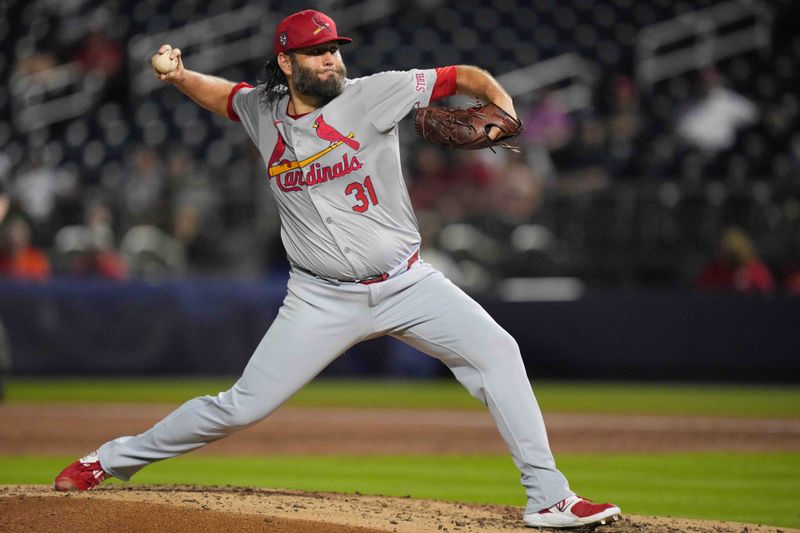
(574, 512)
(84, 474)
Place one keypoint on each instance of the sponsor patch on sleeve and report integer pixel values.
(420, 82)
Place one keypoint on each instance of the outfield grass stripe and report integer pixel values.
(624, 398)
(744, 487)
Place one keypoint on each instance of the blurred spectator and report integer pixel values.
(429, 227)
(736, 267)
(90, 254)
(431, 176)
(5, 349)
(202, 251)
(196, 222)
(39, 189)
(142, 195)
(791, 280)
(549, 128)
(548, 123)
(513, 207)
(790, 276)
(711, 122)
(19, 258)
(188, 184)
(624, 124)
(100, 53)
(518, 192)
(100, 258)
(476, 173)
(152, 253)
(4, 201)
(454, 186)
(584, 164)
(36, 64)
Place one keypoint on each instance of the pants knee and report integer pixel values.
(236, 413)
(504, 352)
(492, 363)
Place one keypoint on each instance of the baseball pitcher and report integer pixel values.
(331, 151)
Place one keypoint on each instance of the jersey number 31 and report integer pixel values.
(360, 196)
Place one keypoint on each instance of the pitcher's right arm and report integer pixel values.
(209, 92)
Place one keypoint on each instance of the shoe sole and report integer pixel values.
(605, 521)
(65, 485)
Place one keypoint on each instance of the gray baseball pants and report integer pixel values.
(317, 322)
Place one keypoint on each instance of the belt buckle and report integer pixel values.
(383, 277)
(373, 279)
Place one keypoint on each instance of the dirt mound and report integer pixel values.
(163, 509)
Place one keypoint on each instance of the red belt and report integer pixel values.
(383, 277)
(371, 279)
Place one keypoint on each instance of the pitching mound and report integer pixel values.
(163, 509)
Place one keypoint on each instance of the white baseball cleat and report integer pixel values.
(574, 512)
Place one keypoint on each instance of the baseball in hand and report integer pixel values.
(164, 64)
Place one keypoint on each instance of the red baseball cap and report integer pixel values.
(306, 28)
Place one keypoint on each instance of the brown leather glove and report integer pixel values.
(467, 129)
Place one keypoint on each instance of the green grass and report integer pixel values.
(685, 399)
(742, 487)
(756, 488)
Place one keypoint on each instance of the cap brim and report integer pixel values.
(338, 39)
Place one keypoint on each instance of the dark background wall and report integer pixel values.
(211, 327)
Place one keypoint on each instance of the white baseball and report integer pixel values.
(164, 64)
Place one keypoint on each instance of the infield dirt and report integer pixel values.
(62, 429)
(181, 509)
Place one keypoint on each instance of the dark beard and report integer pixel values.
(308, 83)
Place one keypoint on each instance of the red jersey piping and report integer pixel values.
(231, 113)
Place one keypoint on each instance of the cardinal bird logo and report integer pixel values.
(279, 165)
(320, 24)
(329, 133)
(277, 153)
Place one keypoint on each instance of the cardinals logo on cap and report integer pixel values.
(305, 28)
(321, 25)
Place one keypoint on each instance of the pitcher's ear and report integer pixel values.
(285, 63)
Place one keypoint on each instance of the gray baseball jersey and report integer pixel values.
(335, 174)
(346, 215)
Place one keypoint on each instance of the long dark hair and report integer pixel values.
(274, 85)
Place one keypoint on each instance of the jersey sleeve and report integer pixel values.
(445, 83)
(243, 107)
(390, 96)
